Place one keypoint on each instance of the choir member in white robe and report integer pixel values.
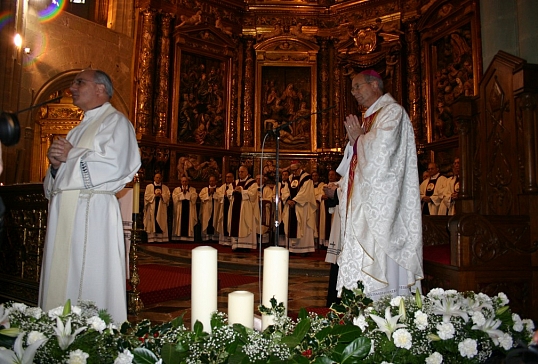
(452, 189)
(244, 212)
(209, 210)
(156, 200)
(300, 212)
(284, 194)
(320, 208)
(265, 196)
(185, 217)
(334, 195)
(84, 252)
(380, 211)
(432, 191)
(224, 194)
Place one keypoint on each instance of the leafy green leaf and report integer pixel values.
(170, 355)
(198, 328)
(357, 350)
(144, 356)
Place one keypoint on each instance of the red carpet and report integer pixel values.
(160, 283)
(317, 255)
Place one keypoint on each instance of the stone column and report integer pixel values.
(144, 73)
(160, 116)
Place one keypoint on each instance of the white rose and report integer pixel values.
(77, 357)
(468, 348)
(402, 339)
(19, 307)
(503, 298)
(506, 341)
(35, 312)
(395, 302)
(124, 358)
(478, 318)
(96, 323)
(435, 358)
(445, 330)
(360, 322)
(34, 336)
(421, 320)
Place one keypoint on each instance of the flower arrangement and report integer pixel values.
(441, 327)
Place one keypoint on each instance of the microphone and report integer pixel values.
(10, 130)
(277, 129)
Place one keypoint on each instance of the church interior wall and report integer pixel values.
(344, 32)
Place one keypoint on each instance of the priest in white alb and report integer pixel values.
(84, 253)
(185, 217)
(244, 213)
(209, 210)
(299, 214)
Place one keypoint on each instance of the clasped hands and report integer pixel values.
(353, 127)
(58, 151)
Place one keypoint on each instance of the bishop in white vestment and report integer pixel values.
(380, 213)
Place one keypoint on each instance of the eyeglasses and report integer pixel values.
(79, 81)
(358, 86)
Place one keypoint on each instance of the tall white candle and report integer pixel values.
(275, 279)
(241, 308)
(204, 288)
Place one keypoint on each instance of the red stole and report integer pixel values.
(368, 122)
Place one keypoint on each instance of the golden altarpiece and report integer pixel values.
(212, 79)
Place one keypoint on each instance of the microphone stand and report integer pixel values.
(276, 133)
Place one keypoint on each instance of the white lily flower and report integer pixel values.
(448, 307)
(4, 316)
(389, 324)
(490, 328)
(19, 355)
(65, 338)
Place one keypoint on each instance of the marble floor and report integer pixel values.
(308, 281)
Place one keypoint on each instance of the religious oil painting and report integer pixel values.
(286, 103)
(202, 100)
(198, 167)
(453, 75)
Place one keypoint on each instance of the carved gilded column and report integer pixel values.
(233, 104)
(324, 94)
(160, 117)
(146, 65)
(413, 78)
(528, 113)
(338, 122)
(248, 140)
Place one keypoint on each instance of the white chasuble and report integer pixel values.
(382, 226)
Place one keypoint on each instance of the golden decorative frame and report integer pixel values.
(280, 62)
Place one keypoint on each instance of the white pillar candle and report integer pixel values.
(241, 308)
(275, 280)
(204, 288)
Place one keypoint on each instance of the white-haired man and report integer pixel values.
(299, 214)
(380, 213)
